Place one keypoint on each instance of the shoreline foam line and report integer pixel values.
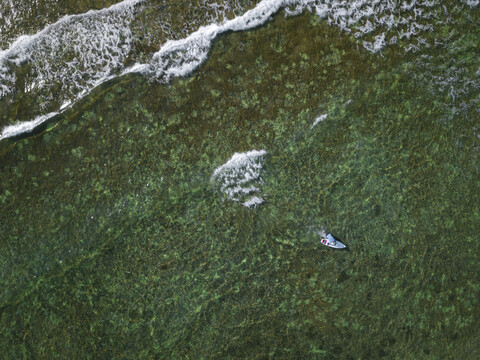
(195, 47)
(181, 57)
(25, 42)
(25, 126)
(24, 49)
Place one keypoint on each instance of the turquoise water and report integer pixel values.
(119, 242)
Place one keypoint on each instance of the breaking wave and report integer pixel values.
(240, 177)
(67, 59)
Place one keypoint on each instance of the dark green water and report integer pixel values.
(116, 245)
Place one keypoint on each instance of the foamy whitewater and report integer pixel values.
(69, 58)
(318, 120)
(240, 178)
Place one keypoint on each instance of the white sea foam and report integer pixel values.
(240, 177)
(471, 3)
(377, 45)
(25, 126)
(181, 57)
(318, 119)
(98, 43)
(365, 17)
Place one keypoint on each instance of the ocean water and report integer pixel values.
(168, 169)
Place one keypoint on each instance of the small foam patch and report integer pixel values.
(318, 120)
(240, 177)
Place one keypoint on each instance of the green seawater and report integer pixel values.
(115, 244)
